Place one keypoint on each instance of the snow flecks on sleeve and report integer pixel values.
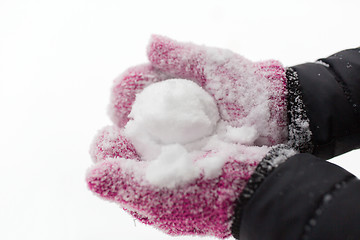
(322, 63)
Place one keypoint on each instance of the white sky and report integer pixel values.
(57, 63)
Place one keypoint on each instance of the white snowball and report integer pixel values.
(175, 111)
(175, 122)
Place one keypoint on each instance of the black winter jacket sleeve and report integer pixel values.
(330, 92)
(307, 198)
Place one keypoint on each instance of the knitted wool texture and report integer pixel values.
(246, 93)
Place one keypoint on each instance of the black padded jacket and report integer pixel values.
(306, 197)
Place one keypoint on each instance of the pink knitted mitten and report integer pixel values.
(190, 188)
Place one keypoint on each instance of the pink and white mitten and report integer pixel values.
(189, 130)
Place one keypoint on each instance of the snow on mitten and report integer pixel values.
(243, 90)
(190, 129)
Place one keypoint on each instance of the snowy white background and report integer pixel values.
(57, 63)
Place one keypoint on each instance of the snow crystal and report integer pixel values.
(243, 135)
(327, 198)
(322, 63)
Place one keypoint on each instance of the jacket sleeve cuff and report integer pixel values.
(324, 104)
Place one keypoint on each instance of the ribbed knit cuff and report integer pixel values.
(299, 124)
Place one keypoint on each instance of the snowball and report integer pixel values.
(176, 128)
(175, 111)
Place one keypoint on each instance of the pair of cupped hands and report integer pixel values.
(247, 94)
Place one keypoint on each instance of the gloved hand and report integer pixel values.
(247, 94)
(241, 88)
